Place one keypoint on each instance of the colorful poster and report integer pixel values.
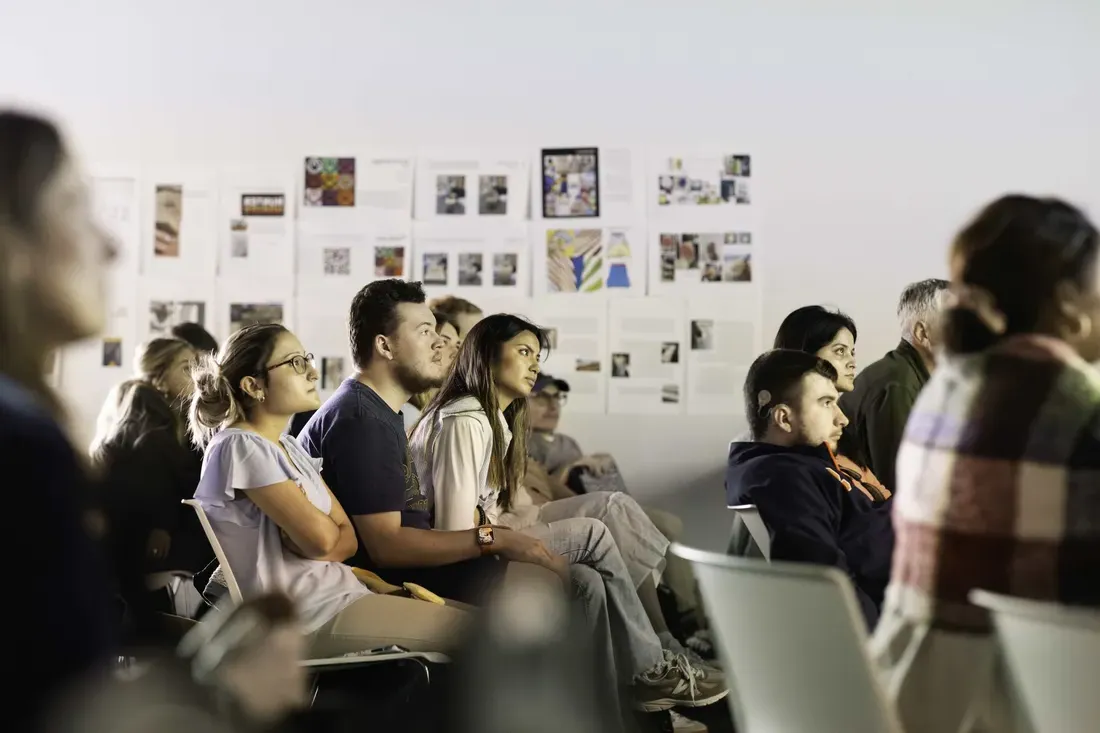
(329, 182)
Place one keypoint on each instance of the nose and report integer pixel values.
(841, 418)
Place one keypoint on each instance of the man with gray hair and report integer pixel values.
(885, 391)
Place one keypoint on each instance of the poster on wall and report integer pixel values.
(323, 331)
(256, 225)
(116, 203)
(700, 262)
(164, 304)
(577, 332)
(337, 262)
(598, 185)
(594, 261)
(328, 182)
(570, 183)
(179, 237)
(472, 260)
(385, 185)
(453, 187)
(240, 304)
(716, 179)
(724, 338)
(647, 338)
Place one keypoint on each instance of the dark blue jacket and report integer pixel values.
(815, 517)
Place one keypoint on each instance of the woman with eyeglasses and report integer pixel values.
(276, 519)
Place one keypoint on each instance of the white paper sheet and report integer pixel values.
(117, 208)
(475, 185)
(701, 179)
(334, 262)
(724, 340)
(323, 331)
(578, 349)
(694, 263)
(586, 183)
(386, 189)
(646, 343)
(241, 303)
(179, 237)
(588, 262)
(256, 224)
(162, 304)
(472, 259)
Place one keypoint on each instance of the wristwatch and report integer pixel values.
(485, 538)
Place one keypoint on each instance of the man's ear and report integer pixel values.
(383, 347)
(921, 336)
(783, 417)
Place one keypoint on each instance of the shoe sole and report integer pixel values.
(656, 706)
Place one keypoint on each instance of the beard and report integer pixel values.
(414, 380)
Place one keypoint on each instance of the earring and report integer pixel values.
(261, 398)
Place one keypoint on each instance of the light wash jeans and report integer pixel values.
(621, 630)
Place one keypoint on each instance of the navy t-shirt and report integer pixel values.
(366, 461)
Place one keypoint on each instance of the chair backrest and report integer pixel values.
(227, 572)
(746, 520)
(1051, 655)
(792, 642)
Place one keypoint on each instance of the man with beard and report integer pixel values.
(814, 512)
(360, 437)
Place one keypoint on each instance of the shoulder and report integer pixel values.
(233, 443)
(21, 414)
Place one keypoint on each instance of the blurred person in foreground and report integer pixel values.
(53, 260)
(998, 480)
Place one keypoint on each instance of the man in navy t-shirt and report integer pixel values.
(360, 436)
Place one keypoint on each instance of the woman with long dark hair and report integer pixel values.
(831, 335)
(280, 526)
(997, 476)
(470, 453)
(53, 261)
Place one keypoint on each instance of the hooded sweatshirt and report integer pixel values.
(815, 514)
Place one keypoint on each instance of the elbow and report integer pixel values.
(381, 553)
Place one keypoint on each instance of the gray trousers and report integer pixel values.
(621, 630)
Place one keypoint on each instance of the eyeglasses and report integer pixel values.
(300, 364)
(561, 397)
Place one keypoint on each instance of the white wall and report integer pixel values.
(875, 127)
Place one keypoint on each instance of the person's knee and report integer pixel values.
(594, 529)
(588, 584)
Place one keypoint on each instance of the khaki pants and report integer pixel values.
(380, 620)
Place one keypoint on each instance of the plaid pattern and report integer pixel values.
(999, 484)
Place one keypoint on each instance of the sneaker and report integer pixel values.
(675, 681)
(680, 724)
(696, 661)
(700, 643)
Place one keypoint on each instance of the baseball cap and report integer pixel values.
(545, 380)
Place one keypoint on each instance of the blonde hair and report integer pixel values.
(219, 400)
(452, 306)
(153, 359)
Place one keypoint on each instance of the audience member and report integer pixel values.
(997, 471)
(53, 260)
(471, 465)
(460, 311)
(557, 468)
(143, 450)
(448, 331)
(194, 334)
(281, 528)
(813, 513)
(360, 436)
(885, 391)
(831, 335)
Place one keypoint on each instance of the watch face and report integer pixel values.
(485, 535)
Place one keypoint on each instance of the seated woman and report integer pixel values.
(831, 335)
(279, 524)
(447, 329)
(148, 465)
(470, 466)
(997, 481)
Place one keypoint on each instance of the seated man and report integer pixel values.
(814, 514)
(557, 468)
(360, 436)
(886, 390)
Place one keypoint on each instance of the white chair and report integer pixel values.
(792, 639)
(325, 663)
(747, 517)
(1051, 654)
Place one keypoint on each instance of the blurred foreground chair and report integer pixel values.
(792, 642)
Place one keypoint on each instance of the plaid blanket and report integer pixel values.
(999, 484)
